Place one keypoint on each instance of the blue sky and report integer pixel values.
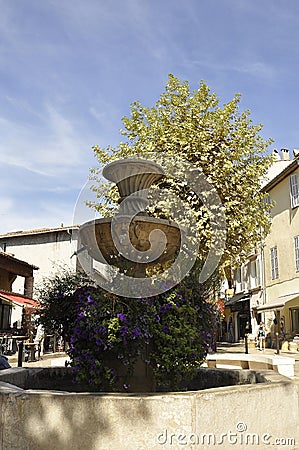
(69, 70)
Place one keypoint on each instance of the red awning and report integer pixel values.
(19, 299)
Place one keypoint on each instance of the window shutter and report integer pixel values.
(294, 191)
(274, 263)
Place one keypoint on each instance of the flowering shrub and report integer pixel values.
(55, 294)
(171, 333)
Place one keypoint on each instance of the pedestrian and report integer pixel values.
(261, 335)
(39, 340)
(230, 329)
(4, 364)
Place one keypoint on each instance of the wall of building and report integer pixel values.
(5, 282)
(285, 226)
(49, 251)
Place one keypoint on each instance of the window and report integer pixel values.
(267, 201)
(258, 273)
(238, 279)
(294, 191)
(274, 263)
(295, 319)
(244, 277)
(296, 249)
(2, 246)
(5, 316)
(253, 280)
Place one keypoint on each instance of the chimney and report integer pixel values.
(275, 155)
(295, 153)
(285, 154)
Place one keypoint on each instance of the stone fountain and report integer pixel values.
(132, 240)
(34, 416)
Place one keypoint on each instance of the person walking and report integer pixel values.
(39, 341)
(230, 330)
(261, 335)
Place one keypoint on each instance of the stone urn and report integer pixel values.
(131, 240)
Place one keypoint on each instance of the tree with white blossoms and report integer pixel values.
(214, 159)
(191, 127)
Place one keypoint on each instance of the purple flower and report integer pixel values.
(122, 317)
(77, 329)
(166, 329)
(136, 332)
(165, 308)
(181, 296)
(90, 300)
(123, 330)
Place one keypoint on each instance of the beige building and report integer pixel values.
(266, 286)
(280, 254)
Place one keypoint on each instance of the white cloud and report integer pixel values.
(53, 147)
(256, 69)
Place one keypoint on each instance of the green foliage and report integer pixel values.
(171, 333)
(219, 140)
(56, 295)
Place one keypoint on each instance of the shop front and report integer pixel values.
(237, 312)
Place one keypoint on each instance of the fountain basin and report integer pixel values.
(131, 235)
(38, 419)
